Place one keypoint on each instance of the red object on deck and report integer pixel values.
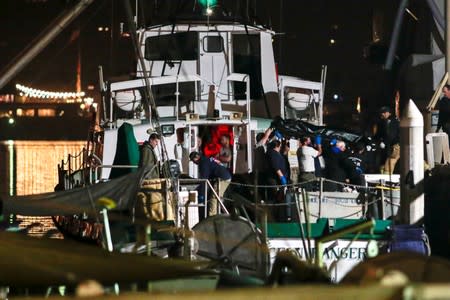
(213, 147)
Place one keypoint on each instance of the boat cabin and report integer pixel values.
(205, 79)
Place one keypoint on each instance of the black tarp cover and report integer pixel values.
(121, 190)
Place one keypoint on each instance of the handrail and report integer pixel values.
(194, 180)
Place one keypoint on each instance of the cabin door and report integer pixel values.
(191, 144)
(214, 64)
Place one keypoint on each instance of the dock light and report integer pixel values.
(11, 121)
(335, 97)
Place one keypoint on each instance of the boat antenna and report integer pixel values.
(149, 100)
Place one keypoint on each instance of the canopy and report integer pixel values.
(119, 194)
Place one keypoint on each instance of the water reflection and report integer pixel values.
(30, 167)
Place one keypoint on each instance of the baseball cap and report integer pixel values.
(384, 109)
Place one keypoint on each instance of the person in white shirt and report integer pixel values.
(306, 155)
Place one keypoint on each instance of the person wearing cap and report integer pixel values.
(149, 157)
(211, 169)
(444, 111)
(150, 201)
(388, 135)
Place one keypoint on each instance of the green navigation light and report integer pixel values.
(207, 3)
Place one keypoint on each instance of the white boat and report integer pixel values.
(203, 77)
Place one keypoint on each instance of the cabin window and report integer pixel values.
(179, 46)
(213, 43)
(247, 60)
(165, 94)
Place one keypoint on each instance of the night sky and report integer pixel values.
(302, 46)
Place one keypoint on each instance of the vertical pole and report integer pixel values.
(320, 196)
(395, 35)
(107, 230)
(411, 165)
(383, 200)
(447, 37)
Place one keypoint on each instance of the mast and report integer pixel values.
(60, 23)
(447, 37)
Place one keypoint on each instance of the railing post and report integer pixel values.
(107, 230)
(320, 196)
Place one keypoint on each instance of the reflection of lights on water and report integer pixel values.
(32, 170)
(34, 164)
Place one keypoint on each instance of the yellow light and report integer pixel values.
(11, 121)
(35, 93)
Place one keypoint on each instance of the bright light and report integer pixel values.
(335, 96)
(88, 100)
(100, 28)
(34, 93)
(11, 121)
(209, 11)
(332, 41)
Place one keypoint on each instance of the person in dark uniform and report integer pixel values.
(277, 175)
(260, 163)
(444, 111)
(334, 166)
(388, 135)
(355, 164)
(211, 169)
(278, 168)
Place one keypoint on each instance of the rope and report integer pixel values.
(304, 183)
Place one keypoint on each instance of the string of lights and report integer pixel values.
(35, 93)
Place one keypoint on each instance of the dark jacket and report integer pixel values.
(149, 159)
(209, 168)
(444, 114)
(389, 131)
